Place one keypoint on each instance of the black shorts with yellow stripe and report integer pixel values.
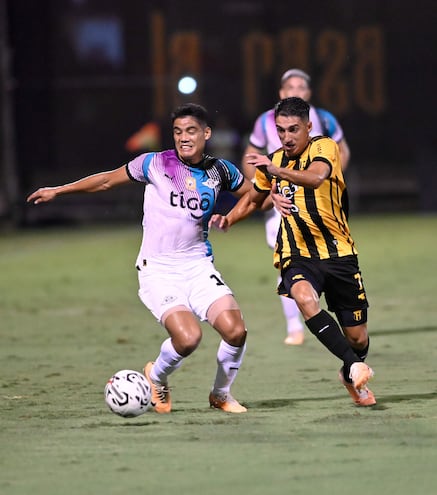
(338, 278)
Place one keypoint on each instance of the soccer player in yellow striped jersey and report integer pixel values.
(317, 226)
(314, 251)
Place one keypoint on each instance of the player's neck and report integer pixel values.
(193, 163)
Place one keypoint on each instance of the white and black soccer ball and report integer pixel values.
(128, 393)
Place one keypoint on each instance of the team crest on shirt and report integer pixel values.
(190, 183)
(358, 315)
(211, 183)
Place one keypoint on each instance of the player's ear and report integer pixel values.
(207, 133)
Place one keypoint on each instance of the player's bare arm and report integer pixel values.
(244, 189)
(247, 169)
(93, 183)
(311, 177)
(251, 201)
(345, 153)
(248, 186)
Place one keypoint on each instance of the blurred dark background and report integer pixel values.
(79, 77)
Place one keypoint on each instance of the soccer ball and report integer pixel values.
(128, 393)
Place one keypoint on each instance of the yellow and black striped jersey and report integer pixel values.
(317, 226)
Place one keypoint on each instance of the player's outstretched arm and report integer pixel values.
(93, 183)
(247, 168)
(248, 203)
(345, 153)
(312, 177)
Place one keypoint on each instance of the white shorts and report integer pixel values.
(195, 284)
(272, 222)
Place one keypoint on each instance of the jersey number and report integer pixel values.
(217, 280)
(358, 278)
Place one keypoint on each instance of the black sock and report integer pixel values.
(326, 329)
(362, 353)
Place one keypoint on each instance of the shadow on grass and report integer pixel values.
(150, 419)
(406, 397)
(400, 331)
(124, 422)
(382, 401)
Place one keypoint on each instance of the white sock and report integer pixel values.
(292, 315)
(229, 360)
(167, 362)
(294, 325)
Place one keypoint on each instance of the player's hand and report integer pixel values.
(219, 222)
(280, 202)
(260, 161)
(42, 195)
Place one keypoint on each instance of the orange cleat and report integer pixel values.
(360, 374)
(161, 400)
(361, 397)
(226, 403)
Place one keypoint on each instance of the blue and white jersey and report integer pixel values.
(179, 200)
(265, 136)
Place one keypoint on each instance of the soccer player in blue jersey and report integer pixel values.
(178, 282)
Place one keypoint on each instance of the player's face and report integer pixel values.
(295, 86)
(190, 138)
(294, 134)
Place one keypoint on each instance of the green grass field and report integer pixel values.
(70, 317)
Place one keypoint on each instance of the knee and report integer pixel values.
(186, 344)
(234, 332)
(307, 302)
(231, 327)
(357, 336)
(237, 336)
(358, 342)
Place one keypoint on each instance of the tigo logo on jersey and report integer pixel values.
(194, 203)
